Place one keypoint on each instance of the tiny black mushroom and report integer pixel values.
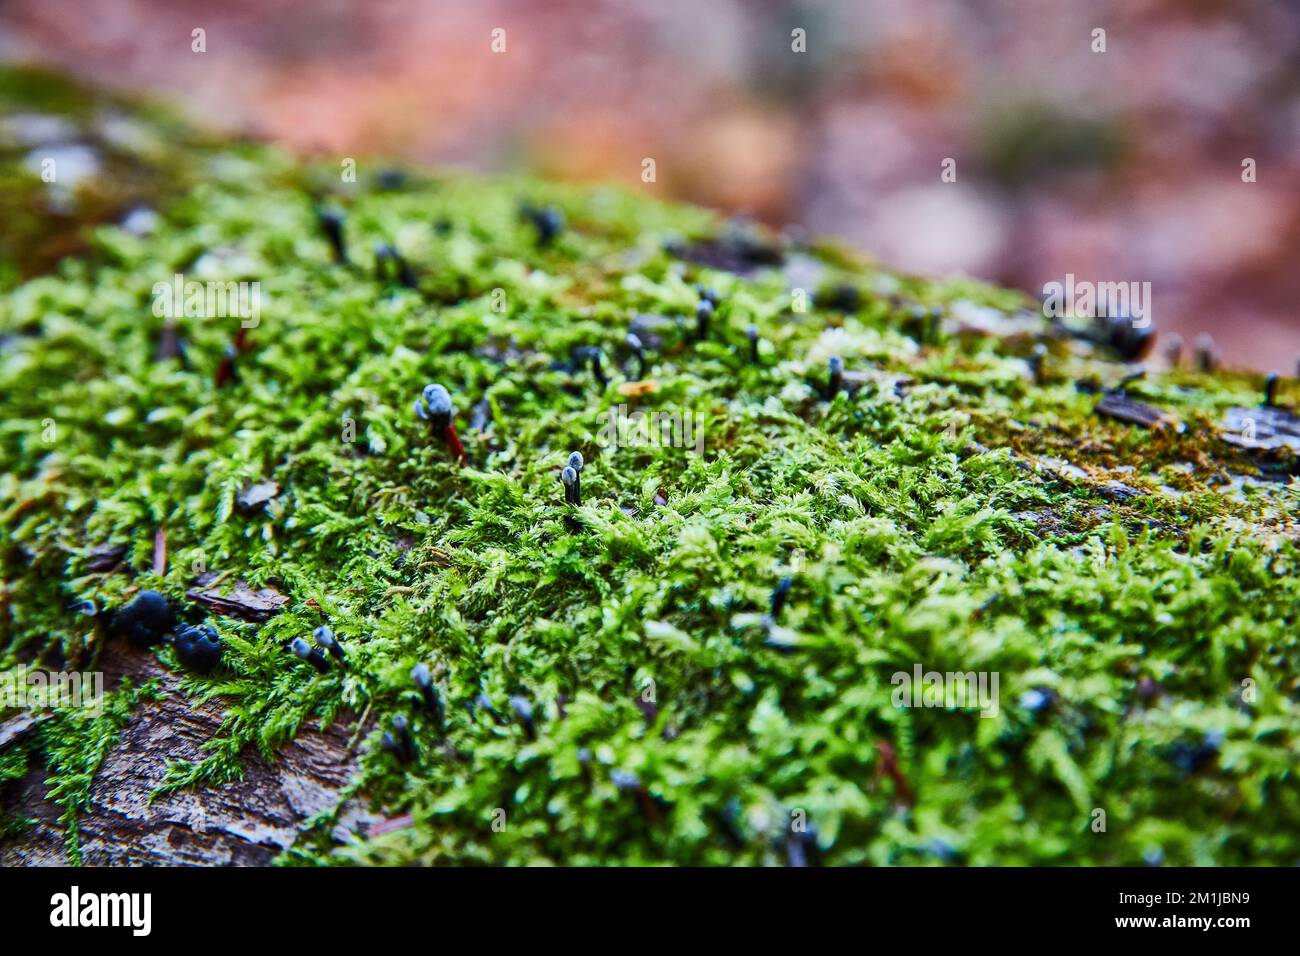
(423, 679)
(312, 655)
(703, 316)
(1270, 390)
(547, 220)
(1207, 354)
(399, 742)
(779, 594)
(390, 265)
(326, 639)
(836, 381)
(638, 352)
(145, 620)
(331, 223)
(523, 709)
(199, 648)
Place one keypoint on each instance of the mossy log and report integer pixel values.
(687, 651)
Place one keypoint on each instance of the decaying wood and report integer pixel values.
(245, 822)
(254, 495)
(237, 600)
(105, 557)
(17, 727)
(1120, 407)
(1264, 428)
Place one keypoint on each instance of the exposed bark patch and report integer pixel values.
(255, 495)
(245, 822)
(1120, 407)
(238, 600)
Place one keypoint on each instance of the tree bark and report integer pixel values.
(247, 822)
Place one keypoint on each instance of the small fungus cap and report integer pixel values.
(437, 400)
(199, 648)
(145, 620)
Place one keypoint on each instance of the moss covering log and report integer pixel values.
(978, 491)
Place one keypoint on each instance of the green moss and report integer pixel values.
(908, 543)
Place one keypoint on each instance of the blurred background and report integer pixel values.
(1117, 166)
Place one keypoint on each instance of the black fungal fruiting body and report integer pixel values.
(594, 358)
(480, 416)
(648, 708)
(424, 681)
(399, 742)
(146, 620)
(573, 491)
(703, 315)
(625, 780)
(227, 369)
(547, 220)
(941, 849)
(1174, 350)
(1128, 339)
(840, 298)
(638, 352)
(199, 648)
(708, 295)
(312, 655)
(779, 594)
(836, 380)
(1037, 699)
(1192, 758)
(751, 333)
(922, 324)
(484, 703)
(523, 709)
(326, 639)
(1207, 354)
(729, 821)
(171, 345)
(331, 223)
(572, 494)
(628, 782)
(802, 848)
(390, 265)
(1270, 390)
(434, 406)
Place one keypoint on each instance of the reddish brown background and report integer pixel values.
(1117, 166)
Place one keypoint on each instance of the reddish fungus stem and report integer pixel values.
(453, 442)
(226, 370)
(889, 764)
